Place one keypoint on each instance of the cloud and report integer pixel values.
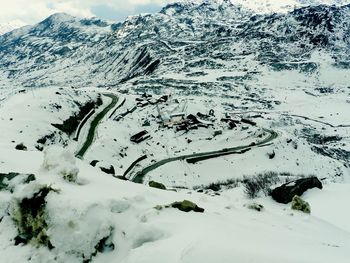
(33, 11)
(119, 14)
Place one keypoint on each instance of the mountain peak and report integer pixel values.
(58, 18)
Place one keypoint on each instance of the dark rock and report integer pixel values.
(49, 138)
(39, 148)
(146, 123)
(271, 155)
(94, 162)
(21, 240)
(109, 170)
(187, 206)
(21, 147)
(217, 133)
(157, 185)
(285, 193)
(231, 125)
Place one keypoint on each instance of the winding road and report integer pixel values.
(139, 177)
(94, 124)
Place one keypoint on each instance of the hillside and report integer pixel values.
(212, 131)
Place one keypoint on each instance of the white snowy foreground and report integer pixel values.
(266, 95)
(98, 205)
(91, 206)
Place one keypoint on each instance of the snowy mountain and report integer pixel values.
(212, 131)
(182, 37)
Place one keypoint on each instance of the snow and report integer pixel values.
(91, 210)
(60, 161)
(334, 197)
(80, 216)
(99, 206)
(272, 6)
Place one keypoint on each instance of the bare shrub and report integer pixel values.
(253, 186)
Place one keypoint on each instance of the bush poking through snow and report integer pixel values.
(30, 218)
(260, 183)
(62, 162)
(252, 188)
(299, 204)
(217, 186)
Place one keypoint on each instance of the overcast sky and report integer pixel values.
(33, 11)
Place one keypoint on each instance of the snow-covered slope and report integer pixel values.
(123, 217)
(182, 38)
(260, 94)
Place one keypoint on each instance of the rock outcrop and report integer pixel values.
(285, 193)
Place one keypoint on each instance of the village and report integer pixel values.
(149, 128)
(174, 115)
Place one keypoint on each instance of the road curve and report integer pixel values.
(94, 124)
(138, 178)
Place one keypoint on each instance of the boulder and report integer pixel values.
(21, 147)
(187, 206)
(285, 193)
(271, 155)
(157, 185)
(299, 204)
(94, 162)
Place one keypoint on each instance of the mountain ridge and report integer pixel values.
(95, 52)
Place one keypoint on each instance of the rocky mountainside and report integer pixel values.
(190, 39)
(208, 132)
